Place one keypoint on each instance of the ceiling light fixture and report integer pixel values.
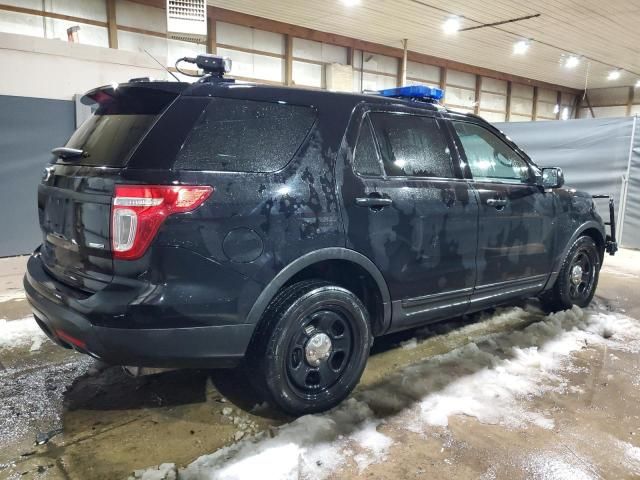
(572, 61)
(521, 47)
(451, 25)
(614, 75)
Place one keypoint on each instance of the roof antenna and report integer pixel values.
(159, 63)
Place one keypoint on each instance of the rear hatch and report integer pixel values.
(74, 197)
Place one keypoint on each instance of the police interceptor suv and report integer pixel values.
(218, 224)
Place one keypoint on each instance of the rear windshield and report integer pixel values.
(116, 127)
(245, 136)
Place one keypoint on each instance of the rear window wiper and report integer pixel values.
(67, 153)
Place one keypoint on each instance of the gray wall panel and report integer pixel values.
(631, 228)
(593, 153)
(29, 129)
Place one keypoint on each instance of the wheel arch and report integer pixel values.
(325, 264)
(598, 237)
(591, 228)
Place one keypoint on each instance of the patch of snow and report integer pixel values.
(550, 466)
(374, 444)
(12, 295)
(409, 344)
(631, 456)
(164, 471)
(506, 369)
(490, 474)
(20, 333)
(307, 447)
(576, 389)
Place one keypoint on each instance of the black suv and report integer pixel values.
(215, 224)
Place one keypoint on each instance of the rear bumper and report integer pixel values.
(67, 322)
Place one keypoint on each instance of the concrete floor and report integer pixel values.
(110, 424)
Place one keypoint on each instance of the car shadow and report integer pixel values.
(111, 388)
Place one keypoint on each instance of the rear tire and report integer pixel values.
(578, 278)
(311, 347)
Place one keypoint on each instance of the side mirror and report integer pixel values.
(552, 178)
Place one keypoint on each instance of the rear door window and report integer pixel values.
(109, 136)
(245, 136)
(365, 157)
(412, 145)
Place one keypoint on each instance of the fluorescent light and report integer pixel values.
(451, 25)
(351, 3)
(572, 61)
(613, 75)
(521, 47)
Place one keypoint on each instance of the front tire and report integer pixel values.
(578, 278)
(311, 347)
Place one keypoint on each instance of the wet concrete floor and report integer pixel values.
(105, 424)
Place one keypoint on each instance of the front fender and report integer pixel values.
(592, 225)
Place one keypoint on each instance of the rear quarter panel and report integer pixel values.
(257, 223)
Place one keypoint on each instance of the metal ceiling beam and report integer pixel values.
(502, 22)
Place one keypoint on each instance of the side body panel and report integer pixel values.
(424, 243)
(517, 230)
(522, 239)
(516, 243)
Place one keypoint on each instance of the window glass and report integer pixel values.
(245, 136)
(412, 145)
(116, 127)
(489, 157)
(365, 157)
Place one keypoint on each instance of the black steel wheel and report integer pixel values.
(320, 350)
(578, 278)
(582, 273)
(311, 348)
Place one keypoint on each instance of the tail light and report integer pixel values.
(138, 211)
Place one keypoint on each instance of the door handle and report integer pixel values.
(497, 202)
(373, 202)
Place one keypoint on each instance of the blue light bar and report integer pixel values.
(419, 92)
